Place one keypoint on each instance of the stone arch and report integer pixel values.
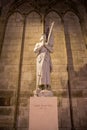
(59, 59)
(10, 58)
(71, 16)
(11, 47)
(33, 32)
(76, 39)
(76, 52)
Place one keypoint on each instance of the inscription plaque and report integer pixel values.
(43, 114)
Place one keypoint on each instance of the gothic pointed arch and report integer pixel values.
(11, 46)
(73, 28)
(10, 58)
(33, 32)
(59, 58)
(76, 52)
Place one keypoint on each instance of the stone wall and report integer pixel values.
(77, 65)
(9, 67)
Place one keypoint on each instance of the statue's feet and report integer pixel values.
(46, 92)
(36, 92)
(43, 87)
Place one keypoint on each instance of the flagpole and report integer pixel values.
(43, 24)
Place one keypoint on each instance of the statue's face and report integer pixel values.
(43, 38)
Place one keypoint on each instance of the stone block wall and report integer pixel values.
(9, 68)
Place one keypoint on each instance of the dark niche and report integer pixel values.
(4, 101)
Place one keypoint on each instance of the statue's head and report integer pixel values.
(43, 37)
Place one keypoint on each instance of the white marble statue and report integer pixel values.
(44, 64)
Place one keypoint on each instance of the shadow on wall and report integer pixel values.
(77, 103)
(32, 86)
(79, 81)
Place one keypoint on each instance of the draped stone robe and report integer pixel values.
(44, 64)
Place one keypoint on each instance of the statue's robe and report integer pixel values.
(44, 64)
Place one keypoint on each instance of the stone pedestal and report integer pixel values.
(43, 114)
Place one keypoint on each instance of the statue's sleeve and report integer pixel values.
(49, 48)
(38, 47)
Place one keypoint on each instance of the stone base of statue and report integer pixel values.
(43, 93)
(43, 113)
